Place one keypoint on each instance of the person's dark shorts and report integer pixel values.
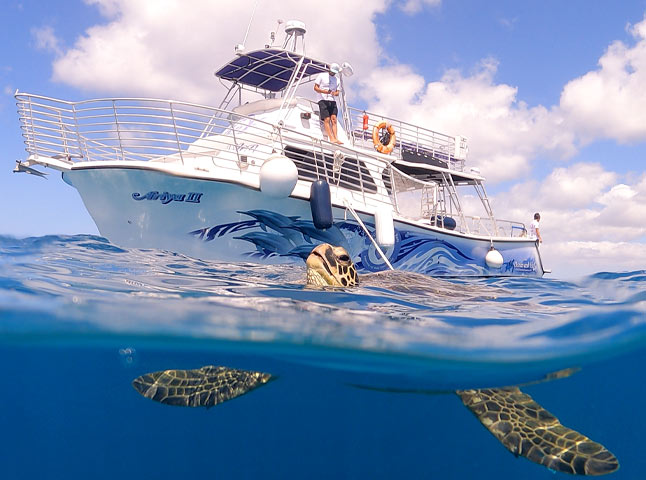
(327, 108)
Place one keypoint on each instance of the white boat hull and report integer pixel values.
(204, 218)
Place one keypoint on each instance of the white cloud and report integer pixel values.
(575, 186)
(610, 102)
(108, 8)
(618, 192)
(504, 134)
(589, 222)
(164, 49)
(577, 258)
(415, 6)
(46, 39)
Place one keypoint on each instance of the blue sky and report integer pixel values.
(549, 93)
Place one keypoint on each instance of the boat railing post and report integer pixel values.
(61, 123)
(347, 120)
(393, 186)
(116, 122)
(81, 144)
(280, 139)
(363, 190)
(29, 128)
(235, 143)
(179, 145)
(392, 183)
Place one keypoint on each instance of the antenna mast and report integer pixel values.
(241, 46)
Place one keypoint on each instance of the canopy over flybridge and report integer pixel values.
(270, 69)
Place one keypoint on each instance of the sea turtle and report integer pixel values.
(513, 417)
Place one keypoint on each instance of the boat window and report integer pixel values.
(314, 165)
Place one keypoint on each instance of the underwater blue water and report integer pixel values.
(80, 318)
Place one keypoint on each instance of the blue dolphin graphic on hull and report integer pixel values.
(302, 251)
(277, 222)
(332, 235)
(267, 243)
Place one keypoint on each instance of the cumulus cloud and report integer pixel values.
(575, 186)
(504, 133)
(577, 258)
(610, 102)
(416, 6)
(166, 50)
(590, 219)
(163, 49)
(583, 201)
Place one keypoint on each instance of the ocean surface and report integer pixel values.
(364, 376)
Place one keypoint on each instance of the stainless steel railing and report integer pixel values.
(207, 138)
(202, 137)
(450, 149)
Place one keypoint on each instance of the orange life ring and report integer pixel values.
(380, 147)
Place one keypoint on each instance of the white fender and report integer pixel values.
(278, 176)
(385, 227)
(493, 258)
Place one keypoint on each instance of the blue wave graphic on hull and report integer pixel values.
(273, 234)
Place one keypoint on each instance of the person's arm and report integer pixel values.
(538, 235)
(335, 93)
(320, 90)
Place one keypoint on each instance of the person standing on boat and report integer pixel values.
(327, 86)
(534, 230)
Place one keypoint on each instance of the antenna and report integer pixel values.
(241, 46)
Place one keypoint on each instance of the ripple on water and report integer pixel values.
(84, 283)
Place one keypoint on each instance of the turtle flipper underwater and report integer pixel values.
(201, 387)
(527, 429)
(513, 417)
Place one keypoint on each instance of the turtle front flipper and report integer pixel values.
(527, 429)
(200, 387)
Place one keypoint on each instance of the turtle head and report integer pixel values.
(330, 266)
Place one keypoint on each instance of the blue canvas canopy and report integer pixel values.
(268, 69)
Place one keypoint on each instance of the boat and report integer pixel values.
(257, 180)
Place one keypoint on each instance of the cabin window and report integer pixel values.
(314, 165)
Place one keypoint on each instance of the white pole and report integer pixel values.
(356, 217)
(244, 42)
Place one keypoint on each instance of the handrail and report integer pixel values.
(412, 138)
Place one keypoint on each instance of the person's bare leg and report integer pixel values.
(328, 130)
(333, 124)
